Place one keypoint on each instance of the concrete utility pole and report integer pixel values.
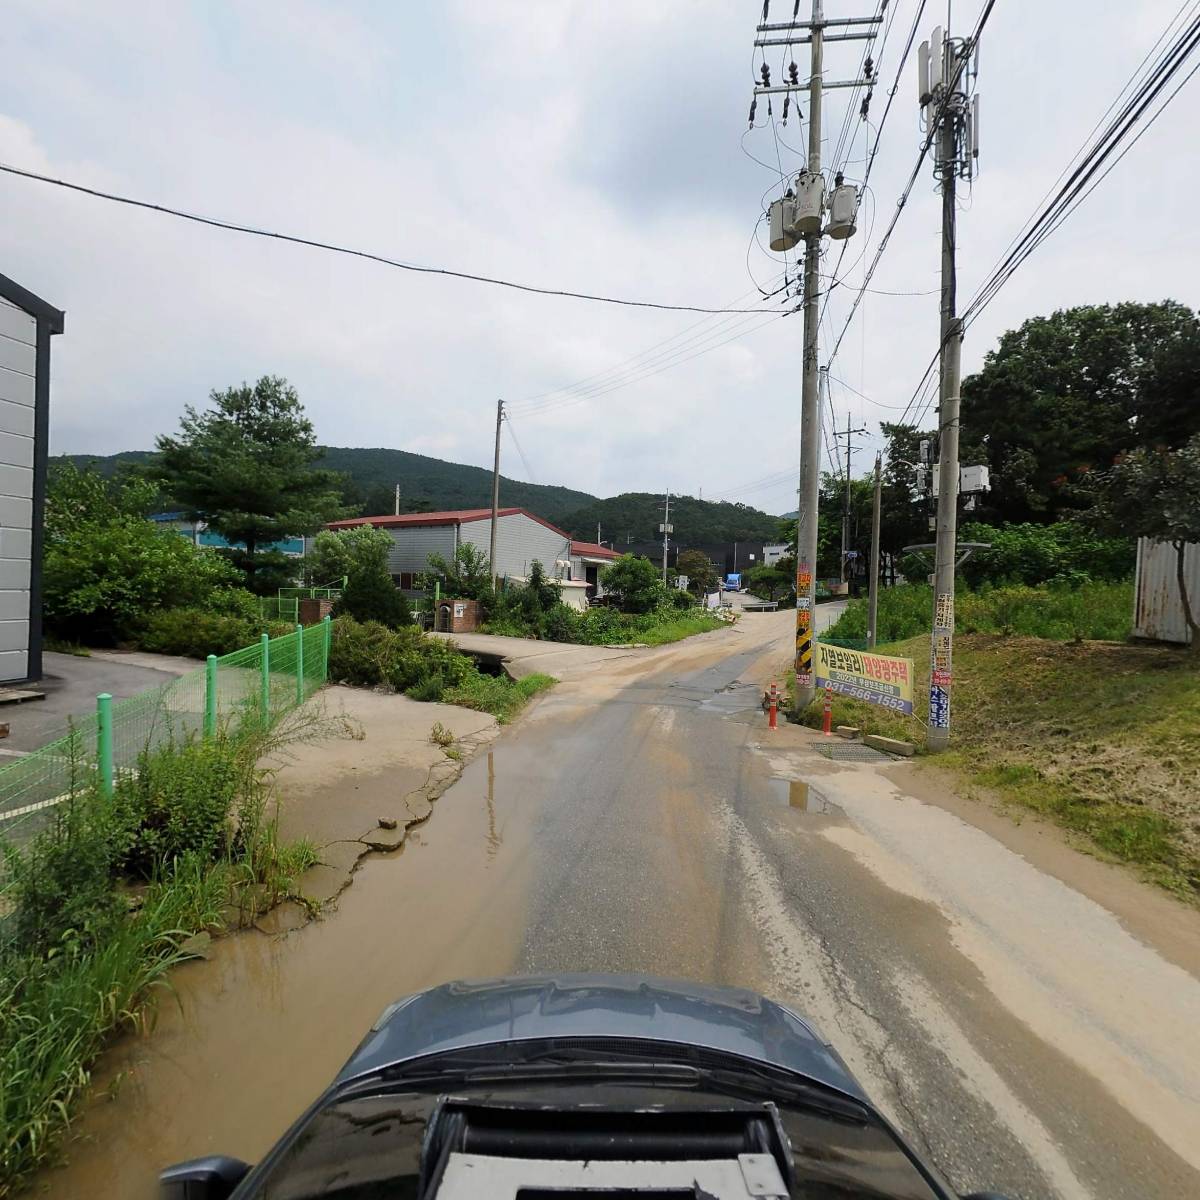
(846, 507)
(397, 499)
(801, 213)
(955, 153)
(810, 399)
(873, 593)
(666, 532)
(495, 492)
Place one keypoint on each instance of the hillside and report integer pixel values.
(637, 515)
(434, 484)
(425, 483)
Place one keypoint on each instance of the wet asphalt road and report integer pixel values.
(667, 844)
(641, 818)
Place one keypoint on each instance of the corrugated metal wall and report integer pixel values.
(519, 541)
(1157, 606)
(412, 546)
(18, 386)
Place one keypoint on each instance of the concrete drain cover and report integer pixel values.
(851, 752)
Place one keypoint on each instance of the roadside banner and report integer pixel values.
(875, 678)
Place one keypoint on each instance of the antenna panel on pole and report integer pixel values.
(924, 84)
(937, 59)
(975, 128)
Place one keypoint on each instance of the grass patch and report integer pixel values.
(675, 629)
(98, 906)
(608, 626)
(57, 645)
(1092, 611)
(497, 694)
(1097, 736)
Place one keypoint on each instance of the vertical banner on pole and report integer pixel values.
(210, 696)
(104, 741)
(265, 699)
(299, 664)
(804, 614)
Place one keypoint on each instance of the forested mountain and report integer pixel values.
(432, 484)
(636, 516)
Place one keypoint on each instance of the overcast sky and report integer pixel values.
(595, 147)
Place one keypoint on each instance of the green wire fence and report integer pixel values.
(259, 683)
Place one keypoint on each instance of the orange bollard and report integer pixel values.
(774, 708)
(827, 723)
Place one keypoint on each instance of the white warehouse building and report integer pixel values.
(522, 538)
(26, 326)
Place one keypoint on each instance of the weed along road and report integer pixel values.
(1026, 1014)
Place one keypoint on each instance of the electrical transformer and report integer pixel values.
(843, 212)
(810, 203)
(783, 218)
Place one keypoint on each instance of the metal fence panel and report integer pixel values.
(272, 677)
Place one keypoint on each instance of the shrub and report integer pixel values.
(195, 633)
(369, 654)
(370, 595)
(336, 554)
(180, 801)
(106, 564)
(635, 583)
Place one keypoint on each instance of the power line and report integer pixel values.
(512, 433)
(912, 179)
(312, 243)
(1050, 214)
(624, 371)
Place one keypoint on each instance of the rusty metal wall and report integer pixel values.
(1157, 607)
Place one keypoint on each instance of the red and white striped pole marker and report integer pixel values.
(774, 707)
(827, 722)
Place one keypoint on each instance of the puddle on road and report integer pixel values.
(800, 795)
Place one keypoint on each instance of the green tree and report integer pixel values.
(1155, 494)
(1065, 395)
(467, 575)
(246, 468)
(700, 571)
(106, 566)
(338, 552)
(768, 582)
(635, 582)
(370, 595)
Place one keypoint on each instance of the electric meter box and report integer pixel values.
(970, 479)
(843, 212)
(973, 479)
(783, 217)
(810, 203)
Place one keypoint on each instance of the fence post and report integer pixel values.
(328, 624)
(210, 696)
(104, 741)
(265, 654)
(299, 664)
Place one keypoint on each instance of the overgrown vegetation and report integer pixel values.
(1097, 736)
(101, 903)
(430, 669)
(1091, 611)
(107, 565)
(642, 609)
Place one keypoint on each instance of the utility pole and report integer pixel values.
(873, 586)
(800, 214)
(943, 66)
(849, 433)
(810, 399)
(665, 529)
(397, 499)
(495, 492)
(598, 542)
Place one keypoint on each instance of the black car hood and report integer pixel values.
(468, 1014)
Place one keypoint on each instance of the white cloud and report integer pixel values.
(590, 147)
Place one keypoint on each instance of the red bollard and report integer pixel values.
(774, 707)
(827, 723)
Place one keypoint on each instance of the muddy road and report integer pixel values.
(1028, 1016)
